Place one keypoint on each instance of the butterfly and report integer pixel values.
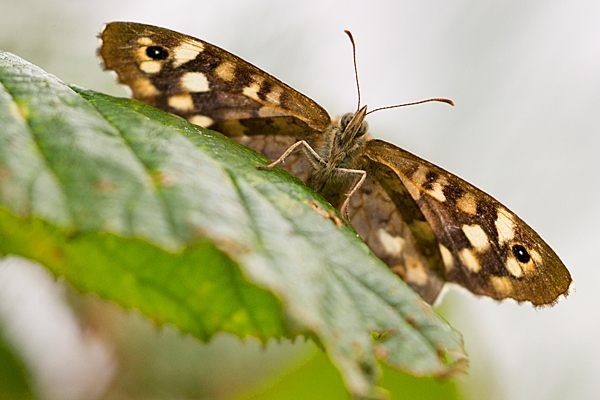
(428, 225)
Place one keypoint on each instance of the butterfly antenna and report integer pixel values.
(439, 99)
(355, 67)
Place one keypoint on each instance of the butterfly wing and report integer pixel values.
(483, 246)
(391, 223)
(206, 84)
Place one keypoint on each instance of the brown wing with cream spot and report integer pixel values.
(206, 84)
(485, 247)
(390, 222)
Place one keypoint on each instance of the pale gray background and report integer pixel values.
(525, 77)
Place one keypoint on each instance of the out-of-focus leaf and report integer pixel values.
(317, 379)
(14, 380)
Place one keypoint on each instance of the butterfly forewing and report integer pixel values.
(204, 83)
(485, 247)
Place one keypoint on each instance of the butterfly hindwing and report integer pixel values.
(390, 222)
(485, 247)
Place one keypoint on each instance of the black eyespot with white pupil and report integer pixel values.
(157, 53)
(521, 253)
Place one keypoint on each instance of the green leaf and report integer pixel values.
(325, 384)
(14, 379)
(154, 213)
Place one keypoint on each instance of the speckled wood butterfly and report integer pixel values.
(429, 226)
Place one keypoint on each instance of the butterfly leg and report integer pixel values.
(315, 159)
(363, 176)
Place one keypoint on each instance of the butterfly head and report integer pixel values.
(353, 126)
